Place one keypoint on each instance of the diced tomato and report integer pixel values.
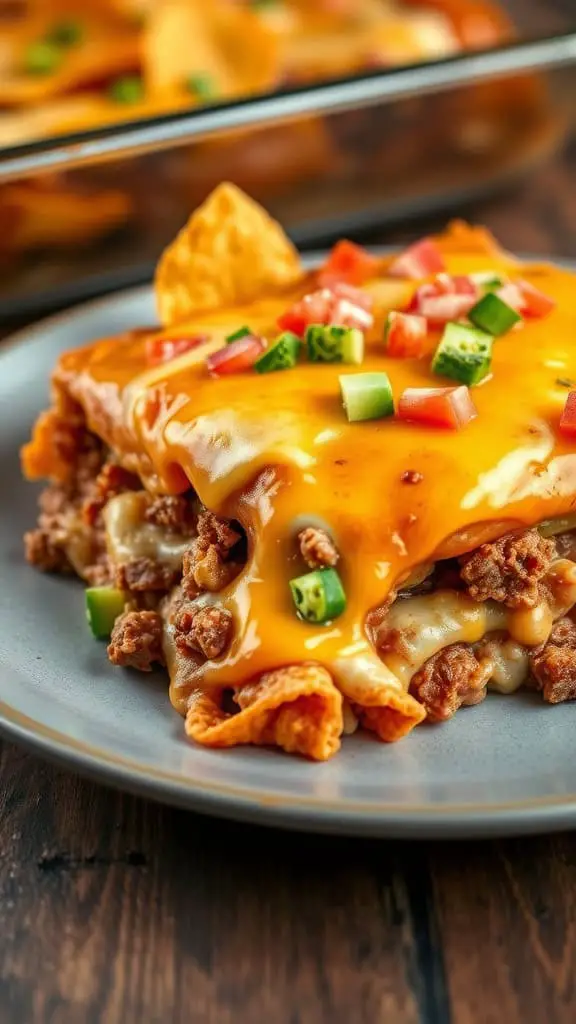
(455, 284)
(348, 314)
(419, 260)
(354, 295)
(437, 407)
(447, 298)
(347, 263)
(236, 357)
(444, 309)
(535, 303)
(162, 350)
(293, 320)
(342, 305)
(568, 418)
(405, 335)
(512, 296)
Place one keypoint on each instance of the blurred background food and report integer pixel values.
(72, 66)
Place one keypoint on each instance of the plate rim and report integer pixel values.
(540, 814)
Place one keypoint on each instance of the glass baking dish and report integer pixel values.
(90, 212)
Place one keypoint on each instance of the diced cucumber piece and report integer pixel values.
(103, 606)
(329, 344)
(464, 354)
(319, 596)
(493, 315)
(281, 355)
(367, 396)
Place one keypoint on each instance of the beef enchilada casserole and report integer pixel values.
(324, 499)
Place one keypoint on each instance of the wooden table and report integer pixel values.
(119, 911)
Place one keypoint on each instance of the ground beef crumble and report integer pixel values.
(317, 548)
(554, 664)
(449, 679)
(509, 569)
(175, 513)
(209, 563)
(136, 640)
(60, 524)
(206, 629)
(142, 574)
(112, 479)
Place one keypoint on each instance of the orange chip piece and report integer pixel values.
(225, 43)
(297, 708)
(378, 699)
(230, 253)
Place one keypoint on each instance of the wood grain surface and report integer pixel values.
(119, 911)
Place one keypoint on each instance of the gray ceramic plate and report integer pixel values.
(506, 766)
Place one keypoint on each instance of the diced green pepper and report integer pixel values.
(281, 355)
(128, 90)
(493, 315)
(367, 396)
(242, 332)
(103, 606)
(42, 58)
(464, 354)
(319, 596)
(65, 33)
(201, 86)
(329, 344)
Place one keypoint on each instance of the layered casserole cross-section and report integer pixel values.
(323, 499)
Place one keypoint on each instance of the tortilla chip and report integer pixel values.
(110, 47)
(226, 42)
(230, 253)
(378, 698)
(297, 708)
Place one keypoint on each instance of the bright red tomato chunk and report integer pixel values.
(162, 350)
(236, 357)
(419, 260)
(568, 418)
(535, 303)
(347, 263)
(437, 407)
(406, 335)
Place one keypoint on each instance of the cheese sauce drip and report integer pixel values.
(276, 450)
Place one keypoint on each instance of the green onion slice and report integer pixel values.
(42, 58)
(367, 396)
(281, 355)
(329, 344)
(242, 332)
(464, 354)
(66, 33)
(319, 596)
(493, 315)
(201, 86)
(128, 90)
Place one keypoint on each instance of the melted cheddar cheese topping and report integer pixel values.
(276, 452)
